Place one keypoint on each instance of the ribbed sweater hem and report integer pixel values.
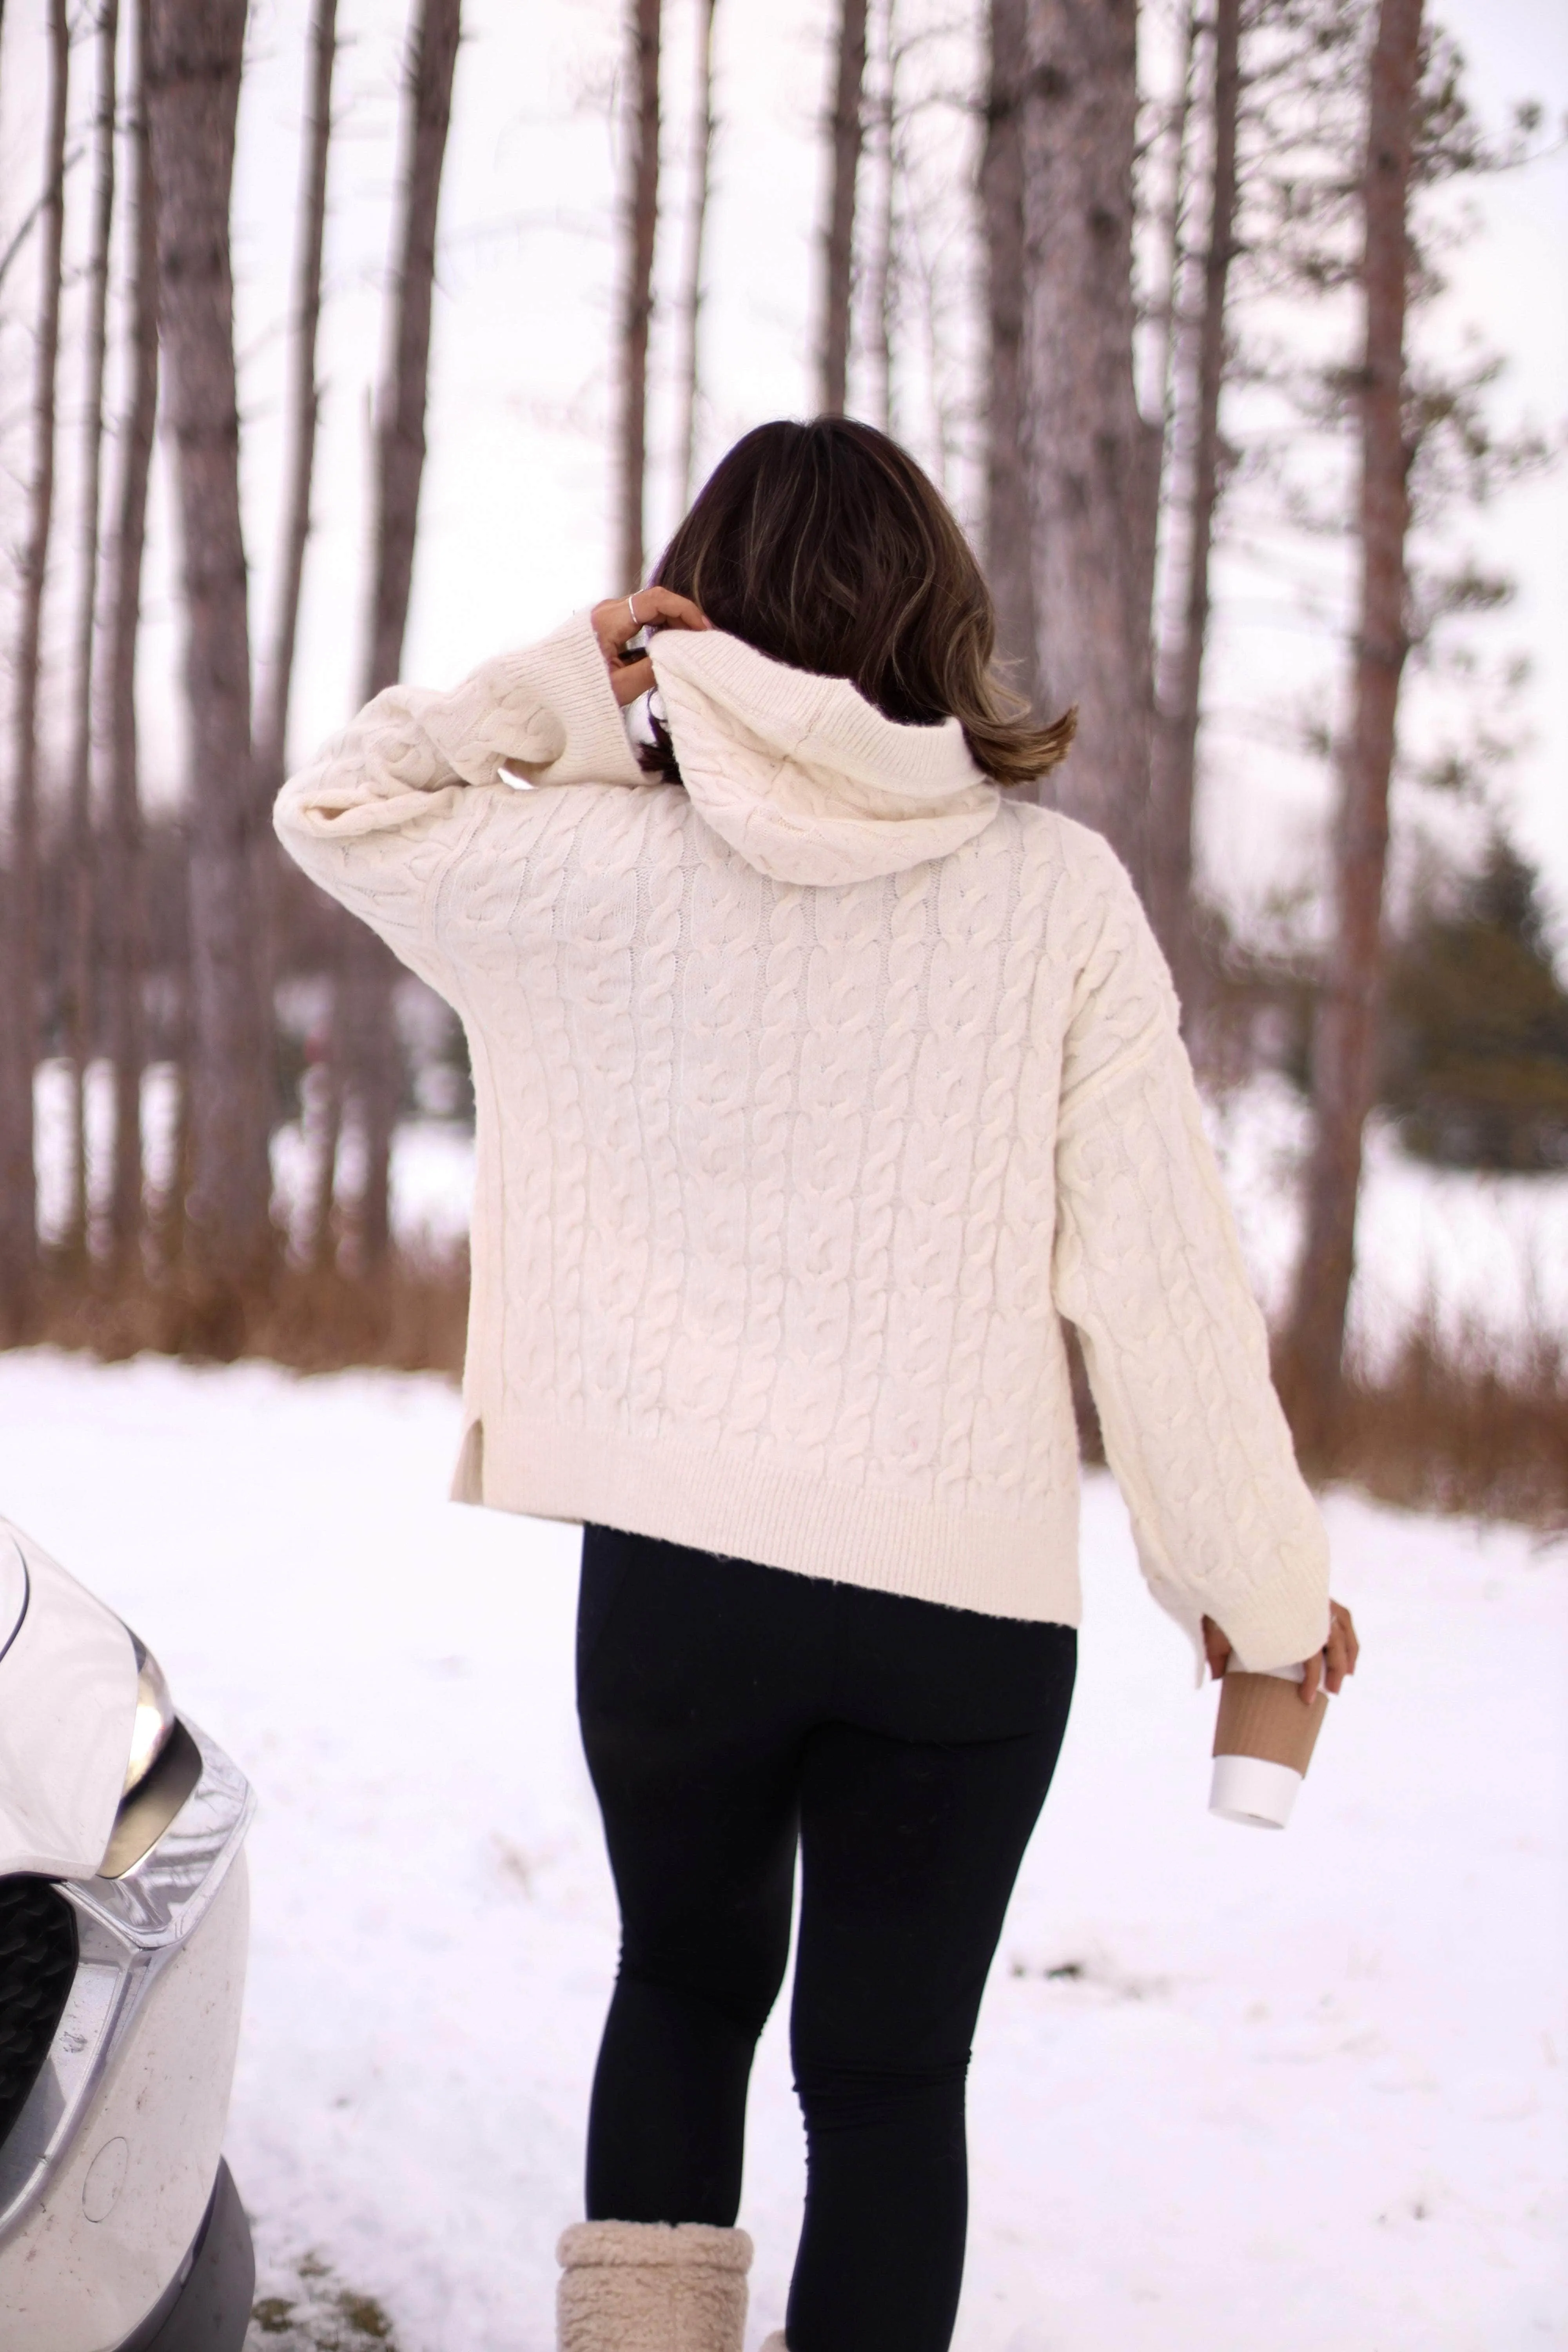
(781, 1517)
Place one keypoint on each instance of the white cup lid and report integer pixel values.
(1246, 1789)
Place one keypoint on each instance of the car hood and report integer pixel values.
(68, 1705)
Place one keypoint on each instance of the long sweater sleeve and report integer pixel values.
(1148, 1267)
(377, 817)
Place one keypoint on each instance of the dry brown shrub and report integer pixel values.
(1460, 1425)
(411, 1317)
(1452, 1424)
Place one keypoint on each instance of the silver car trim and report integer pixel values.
(128, 1929)
(21, 1617)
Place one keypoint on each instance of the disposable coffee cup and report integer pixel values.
(1263, 1743)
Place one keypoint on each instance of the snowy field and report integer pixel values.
(1232, 2090)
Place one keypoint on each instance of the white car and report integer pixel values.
(123, 1924)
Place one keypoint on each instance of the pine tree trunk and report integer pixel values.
(1344, 1044)
(120, 909)
(846, 133)
(304, 414)
(882, 274)
(368, 1058)
(641, 228)
(1090, 453)
(193, 95)
(320, 1235)
(304, 407)
(1173, 218)
(1172, 409)
(696, 227)
(400, 423)
(79, 1006)
(19, 1030)
(1175, 738)
(1008, 536)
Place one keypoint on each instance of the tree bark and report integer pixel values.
(321, 1236)
(1174, 221)
(400, 424)
(846, 135)
(79, 1006)
(120, 907)
(1008, 535)
(368, 1056)
(1344, 1042)
(304, 414)
(641, 228)
(304, 406)
(696, 228)
(1091, 455)
(882, 287)
(19, 1031)
(1179, 700)
(193, 95)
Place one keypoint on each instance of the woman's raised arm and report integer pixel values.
(377, 815)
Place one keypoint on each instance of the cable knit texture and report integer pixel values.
(810, 1098)
(650, 2287)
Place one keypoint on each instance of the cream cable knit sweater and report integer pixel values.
(811, 1099)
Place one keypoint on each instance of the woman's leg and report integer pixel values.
(721, 1702)
(909, 1852)
(694, 1675)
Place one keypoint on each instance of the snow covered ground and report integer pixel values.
(1231, 2089)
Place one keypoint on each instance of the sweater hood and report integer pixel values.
(802, 776)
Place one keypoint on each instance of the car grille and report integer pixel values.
(38, 1961)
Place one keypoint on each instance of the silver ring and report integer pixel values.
(632, 609)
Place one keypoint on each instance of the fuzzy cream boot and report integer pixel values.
(646, 2286)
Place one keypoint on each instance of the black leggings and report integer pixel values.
(727, 1711)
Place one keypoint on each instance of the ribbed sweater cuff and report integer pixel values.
(1279, 1624)
(566, 671)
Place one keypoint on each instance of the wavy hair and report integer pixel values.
(826, 547)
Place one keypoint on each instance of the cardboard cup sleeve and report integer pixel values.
(1263, 1743)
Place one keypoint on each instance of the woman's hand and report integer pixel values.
(1333, 1662)
(619, 619)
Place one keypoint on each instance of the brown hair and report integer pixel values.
(825, 546)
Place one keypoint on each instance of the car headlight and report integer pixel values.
(154, 1721)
